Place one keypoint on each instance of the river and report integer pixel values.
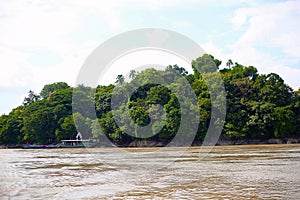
(223, 172)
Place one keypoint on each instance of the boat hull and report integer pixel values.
(40, 147)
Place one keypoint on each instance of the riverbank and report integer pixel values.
(10, 146)
(221, 142)
(257, 141)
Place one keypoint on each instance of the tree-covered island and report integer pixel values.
(259, 108)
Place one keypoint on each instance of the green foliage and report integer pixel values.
(258, 107)
(179, 70)
(103, 99)
(10, 127)
(50, 88)
(260, 119)
(284, 121)
(205, 64)
(68, 129)
(36, 117)
(83, 124)
(83, 101)
(296, 111)
(271, 88)
(96, 129)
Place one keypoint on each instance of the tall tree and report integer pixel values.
(10, 127)
(120, 79)
(132, 74)
(271, 88)
(229, 63)
(31, 98)
(50, 88)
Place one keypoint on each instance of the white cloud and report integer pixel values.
(181, 24)
(271, 41)
(240, 17)
(276, 25)
(36, 25)
(15, 69)
(32, 25)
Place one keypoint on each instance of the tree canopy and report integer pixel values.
(258, 106)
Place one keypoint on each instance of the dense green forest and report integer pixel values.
(258, 106)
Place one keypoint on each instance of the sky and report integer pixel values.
(42, 42)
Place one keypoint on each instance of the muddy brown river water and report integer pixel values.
(226, 172)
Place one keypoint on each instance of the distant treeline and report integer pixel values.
(258, 106)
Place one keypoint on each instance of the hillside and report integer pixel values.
(258, 106)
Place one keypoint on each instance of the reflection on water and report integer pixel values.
(231, 172)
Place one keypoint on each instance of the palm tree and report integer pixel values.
(120, 79)
(229, 63)
(32, 97)
(132, 74)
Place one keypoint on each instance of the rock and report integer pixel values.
(292, 141)
(145, 143)
(274, 141)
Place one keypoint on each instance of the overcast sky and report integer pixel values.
(43, 42)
